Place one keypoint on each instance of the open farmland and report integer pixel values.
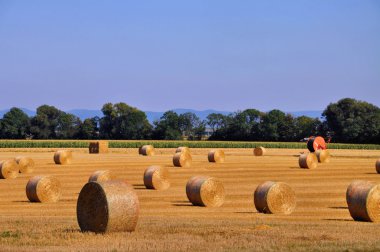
(168, 221)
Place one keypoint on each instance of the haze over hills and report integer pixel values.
(152, 115)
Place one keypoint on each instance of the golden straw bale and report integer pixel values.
(183, 149)
(205, 191)
(259, 151)
(323, 156)
(98, 147)
(156, 177)
(110, 206)
(43, 189)
(63, 157)
(9, 169)
(274, 198)
(147, 150)
(378, 166)
(182, 159)
(363, 200)
(308, 160)
(216, 156)
(25, 164)
(100, 176)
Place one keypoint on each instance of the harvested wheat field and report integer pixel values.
(169, 222)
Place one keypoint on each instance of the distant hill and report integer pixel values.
(152, 115)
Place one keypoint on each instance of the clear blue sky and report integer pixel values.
(160, 55)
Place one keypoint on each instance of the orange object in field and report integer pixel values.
(316, 143)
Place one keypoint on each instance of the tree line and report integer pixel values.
(347, 121)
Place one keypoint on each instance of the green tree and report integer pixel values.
(244, 125)
(306, 126)
(191, 126)
(15, 124)
(45, 122)
(121, 121)
(52, 123)
(168, 127)
(89, 128)
(353, 121)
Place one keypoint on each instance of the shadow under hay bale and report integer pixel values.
(97, 147)
(110, 206)
(9, 169)
(274, 198)
(100, 176)
(182, 159)
(216, 156)
(147, 150)
(308, 160)
(63, 157)
(323, 156)
(156, 177)
(363, 200)
(205, 191)
(259, 151)
(377, 165)
(43, 189)
(25, 164)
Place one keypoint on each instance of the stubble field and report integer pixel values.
(167, 220)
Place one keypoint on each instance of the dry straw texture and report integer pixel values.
(8, 169)
(25, 164)
(98, 147)
(363, 200)
(156, 177)
(216, 156)
(110, 206)
(63, 157)
(183, 149)
(259, 151)
(100, 176)
(308, 160)
(43, 189)
(205, 191)
(182, 159)
(323, 156)
(147, 150)
(378, 166)
(274, 198)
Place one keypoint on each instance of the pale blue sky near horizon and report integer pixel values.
(160, 55)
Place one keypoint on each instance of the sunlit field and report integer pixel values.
(168, 221)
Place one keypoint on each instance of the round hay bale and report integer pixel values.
(109, 206)
(323, 156)
(259, 151)
(63, 157)
(43, 189)
(182, 159)
(183, 149)
(8, 169)
(25, 164)
(156, 177)
(274, 198)
(147, 150)
(308, 160)
(363, 200)
(100, 176)
(378, 166)
(216, 156)
(205, 191)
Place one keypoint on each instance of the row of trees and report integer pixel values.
(348, 120)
